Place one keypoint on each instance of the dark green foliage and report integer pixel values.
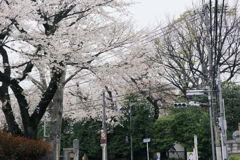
(142, 124)
(142, 127)
(236, 157)
(164, 138)
(181, 126)
(117, 145)
(87, 132)
(195, 121)
(204, 136)
(231, 96)
(41, 130)
(66, 134)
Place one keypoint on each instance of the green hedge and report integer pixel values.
(237, 157)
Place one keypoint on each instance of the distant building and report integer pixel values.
(178, 153)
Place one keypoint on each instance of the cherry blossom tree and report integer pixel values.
(131, 74)
(52, 35)
(49, 38)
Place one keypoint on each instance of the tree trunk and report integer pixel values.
(155, 105)
(7, 110)
(56, 118)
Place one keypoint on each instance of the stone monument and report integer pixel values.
(76, 149)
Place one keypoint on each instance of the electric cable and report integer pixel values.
(138, 92)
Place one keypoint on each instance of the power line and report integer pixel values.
(138, 92)
(78, 84)
(168, 29)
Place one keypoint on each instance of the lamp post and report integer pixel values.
(131, 132)
(211, 126)
(104, 148)
(199, 93)
(222, 121)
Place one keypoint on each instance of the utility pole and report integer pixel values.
(147, 152)
(214, 94)
(131, 131)
(104, 148)
(213, 40)
(225, 129)
(195, 148)
(208, 21)
(222, 120)
(211, 125)
(209, 29)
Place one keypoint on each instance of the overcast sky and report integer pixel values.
(149, 12)
(153, 11)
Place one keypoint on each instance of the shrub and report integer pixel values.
(237, 157)
(18, 148)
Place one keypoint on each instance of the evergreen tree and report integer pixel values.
(87, 131)
(231, 96)
(181, 126)
(142, 124)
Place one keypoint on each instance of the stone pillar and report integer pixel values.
(66, 153)
(76, 149)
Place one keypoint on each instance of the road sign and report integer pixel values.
(147, 140)
(103, 141)
(57, 139)
(195, 92)
(190, 156)
(193, 103)
(103, 134)
(103, 145)
(158, 156)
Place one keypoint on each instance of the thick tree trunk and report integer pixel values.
(4, 95)
(155, 105)
(7, 110)
(56, 118)
(29, 122)
(156, 110)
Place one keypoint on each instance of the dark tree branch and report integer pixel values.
(4, 95)
(47, 96)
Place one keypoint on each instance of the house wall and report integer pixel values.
(179, 153)
(233, 147)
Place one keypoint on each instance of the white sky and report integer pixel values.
(149, 12)
(152, 12)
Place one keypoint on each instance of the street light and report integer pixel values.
(190, 93)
